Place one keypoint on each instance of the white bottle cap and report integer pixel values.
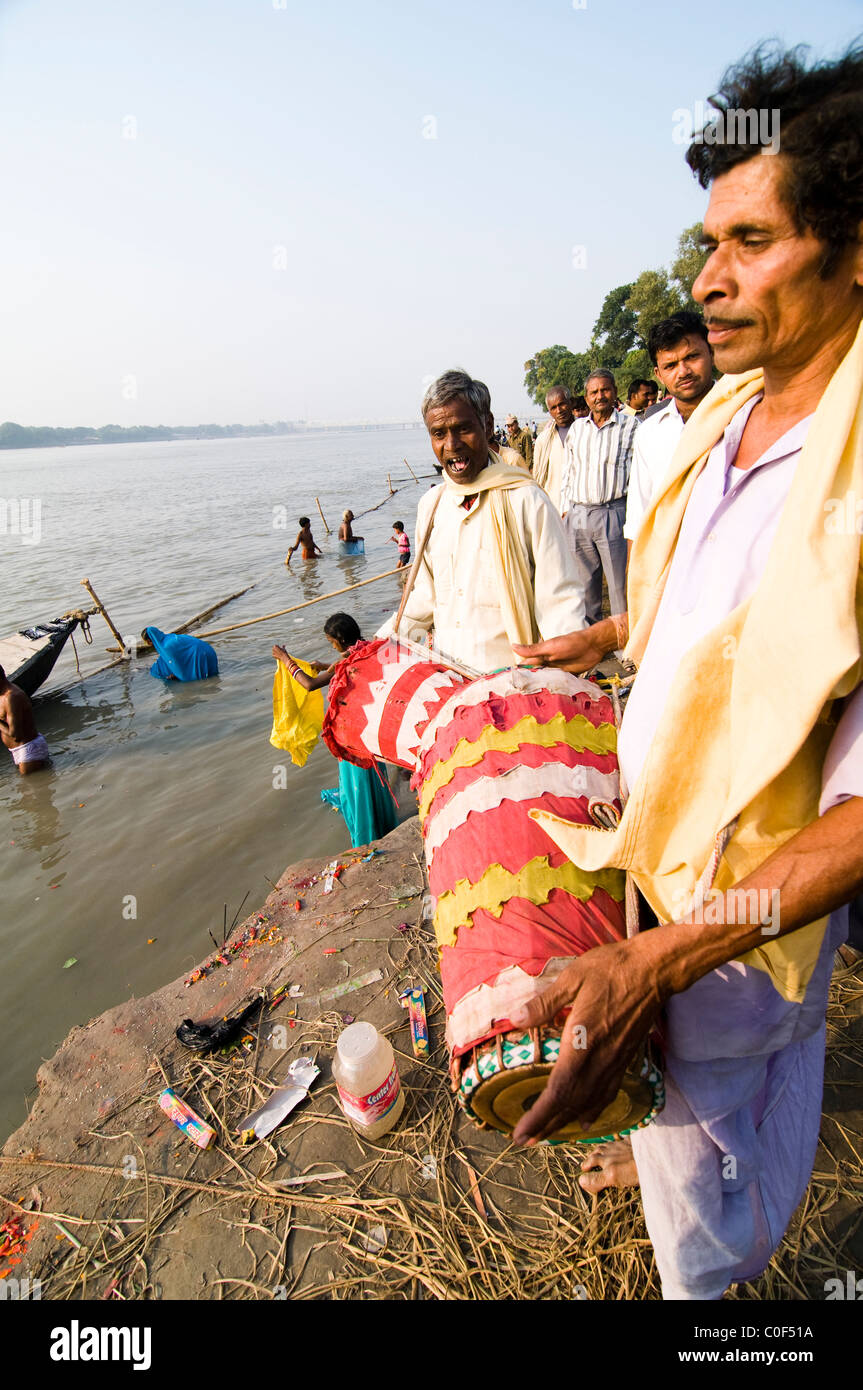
(357, 1042)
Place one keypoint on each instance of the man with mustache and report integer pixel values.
(493, 561)
(683, 362)
(742, 741)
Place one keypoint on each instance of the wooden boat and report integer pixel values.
(28, 656)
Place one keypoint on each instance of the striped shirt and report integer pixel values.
(597, 460)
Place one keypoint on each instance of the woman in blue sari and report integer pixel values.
(363, 797)
(181, 658)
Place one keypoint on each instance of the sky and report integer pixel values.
(240, 210)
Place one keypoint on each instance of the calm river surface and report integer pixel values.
(165, 792)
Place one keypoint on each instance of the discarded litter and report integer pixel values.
(414, 1002)
(73, 960)
(295, 992)
(185, 1119)
(374, 1240)
(264, 1120)
(428, 908)
(205, 1037)
(262, 932)
(370, 977)
(429, 1168)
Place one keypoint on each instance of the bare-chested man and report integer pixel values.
(18, 728)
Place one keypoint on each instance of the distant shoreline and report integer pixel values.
(14, 436)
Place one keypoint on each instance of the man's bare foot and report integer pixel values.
(609, 1165)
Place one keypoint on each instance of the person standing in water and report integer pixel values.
(305, 539)
(345, 530)
(363, 796)
(18, 728)
(403, 541)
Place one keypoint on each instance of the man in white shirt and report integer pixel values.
(683, 362)
(466, 588)
(598, 457)
(548, 454)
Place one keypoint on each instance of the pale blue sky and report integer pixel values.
(280, 239)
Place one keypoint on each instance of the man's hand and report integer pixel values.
(577, 651)
(615, 1000)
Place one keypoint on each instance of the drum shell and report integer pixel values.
(511, 912)
(381, 698)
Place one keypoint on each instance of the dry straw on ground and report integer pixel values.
(481, 1221)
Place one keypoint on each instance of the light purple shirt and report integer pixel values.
(721, 553)
(724, 541)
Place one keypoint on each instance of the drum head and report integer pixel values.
(503, 1099)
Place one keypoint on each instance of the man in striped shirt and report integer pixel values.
(597, 460)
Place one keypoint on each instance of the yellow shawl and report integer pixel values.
(743, 735)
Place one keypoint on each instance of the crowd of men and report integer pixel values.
(741, 744)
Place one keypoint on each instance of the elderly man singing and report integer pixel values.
(742, 742)
(493, 562)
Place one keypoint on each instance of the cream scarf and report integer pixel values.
(735, 765)
(515, 580)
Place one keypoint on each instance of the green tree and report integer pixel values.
(688, 263)
(653, 297)
(615, 331)
(555, 366)
(636, 363)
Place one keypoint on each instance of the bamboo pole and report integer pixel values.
(101, 607)
(410, 470)
(216, 631)
(390, 485)
(323, 518)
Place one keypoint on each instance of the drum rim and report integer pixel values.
(649, 1072)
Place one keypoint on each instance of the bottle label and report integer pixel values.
(367, 1110)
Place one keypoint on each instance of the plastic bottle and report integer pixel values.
(367, 1079)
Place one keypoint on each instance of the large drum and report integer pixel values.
(511, 911)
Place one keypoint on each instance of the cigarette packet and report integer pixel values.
(413, 1001)
(185, 1119)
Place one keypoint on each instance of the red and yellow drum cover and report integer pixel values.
(511, 910)
(382, 696)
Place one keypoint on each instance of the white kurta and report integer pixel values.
(548, 457)
(457, 587)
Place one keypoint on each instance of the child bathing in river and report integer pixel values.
(363, 797)
(402, 540)
(305, 539)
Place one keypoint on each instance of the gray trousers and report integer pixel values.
(596, 539)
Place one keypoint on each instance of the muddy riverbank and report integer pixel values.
(109, 1199)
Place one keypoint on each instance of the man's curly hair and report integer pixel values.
(821, 136)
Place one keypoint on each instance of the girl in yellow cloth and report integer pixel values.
(363, 794)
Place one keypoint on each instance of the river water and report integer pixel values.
(163, 801)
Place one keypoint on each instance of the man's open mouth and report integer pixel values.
(459, 463)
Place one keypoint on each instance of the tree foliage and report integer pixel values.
(688, 263)
(615, 331)
(555, 366)
(619, 337)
